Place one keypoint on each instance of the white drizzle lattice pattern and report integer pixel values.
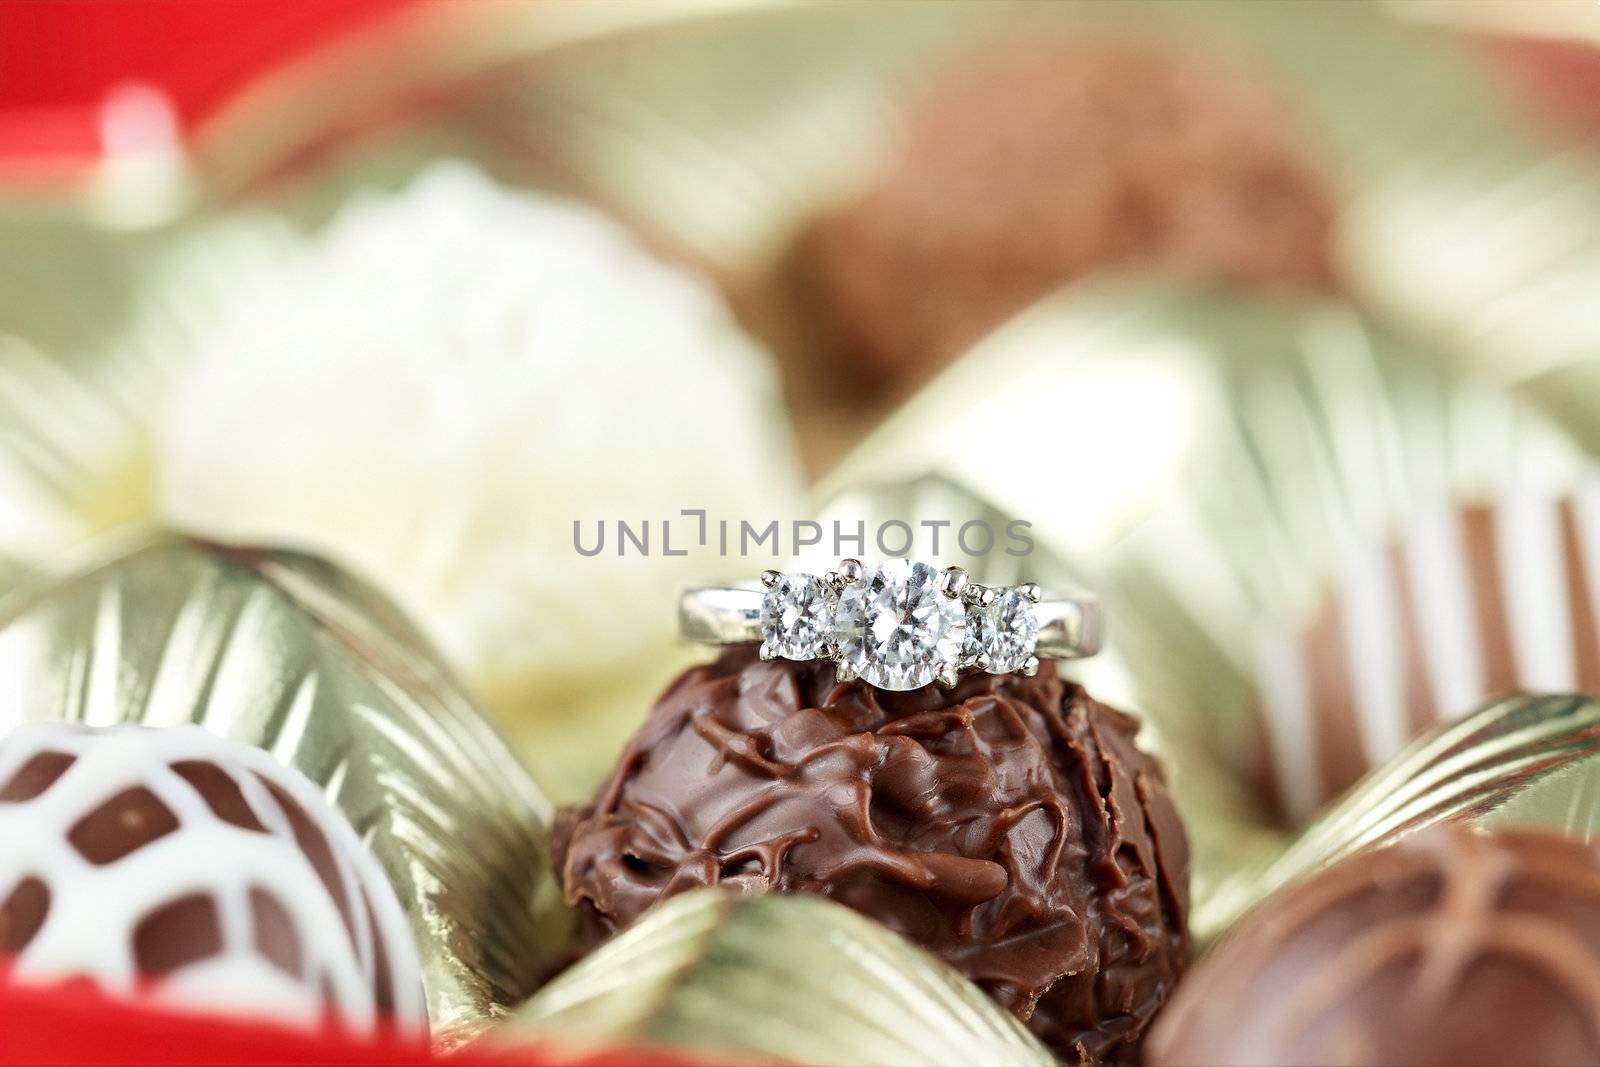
(94, 909)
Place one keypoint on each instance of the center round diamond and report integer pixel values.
(897, 628)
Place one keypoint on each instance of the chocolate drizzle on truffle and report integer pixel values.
(1451, 947)
(22, 912)
(34, 777)
(1010, 826)
(177, 934)
(121, 826)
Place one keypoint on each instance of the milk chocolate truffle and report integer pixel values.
(1009, 825)
(174, 864)
(1034, 165)
(1450, 947)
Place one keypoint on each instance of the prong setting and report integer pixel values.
(1030, 667)
(1030, 592)
(980, 595)
(953, 581)
(851, 571)
(770, 578)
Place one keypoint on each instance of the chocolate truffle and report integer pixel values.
(197, 871)
(1009, 825)
(1468, 603)
(1031, 165)
(1450, 947)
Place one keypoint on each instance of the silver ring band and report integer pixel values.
(899, 625)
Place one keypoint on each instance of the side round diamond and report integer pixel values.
(1003, 631)
(897, 628)
(797, 616)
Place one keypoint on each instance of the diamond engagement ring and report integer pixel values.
(897, 625)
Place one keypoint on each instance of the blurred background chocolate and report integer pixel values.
(1467, 603)
(1450, 947)
(1025, 165)
(1010, 826)
(197, 871)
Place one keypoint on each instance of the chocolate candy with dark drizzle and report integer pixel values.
(1009, 825)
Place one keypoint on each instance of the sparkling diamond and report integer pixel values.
(897, 628)
(1003, 630)
(797, 616)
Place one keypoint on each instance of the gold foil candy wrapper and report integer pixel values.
(283, 651)
(11, 572)
(1485, 234)
(1567, 799)
(1569, 390)
(1217, 469)
(1517, 761)
(70, 411)
(87, 359)
(789, 978)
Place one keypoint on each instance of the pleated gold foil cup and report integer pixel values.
(793, 979)
(283, 651)
(1526, 760)
(1230, 476)
(88, 360)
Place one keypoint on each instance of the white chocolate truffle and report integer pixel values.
(197, 871)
